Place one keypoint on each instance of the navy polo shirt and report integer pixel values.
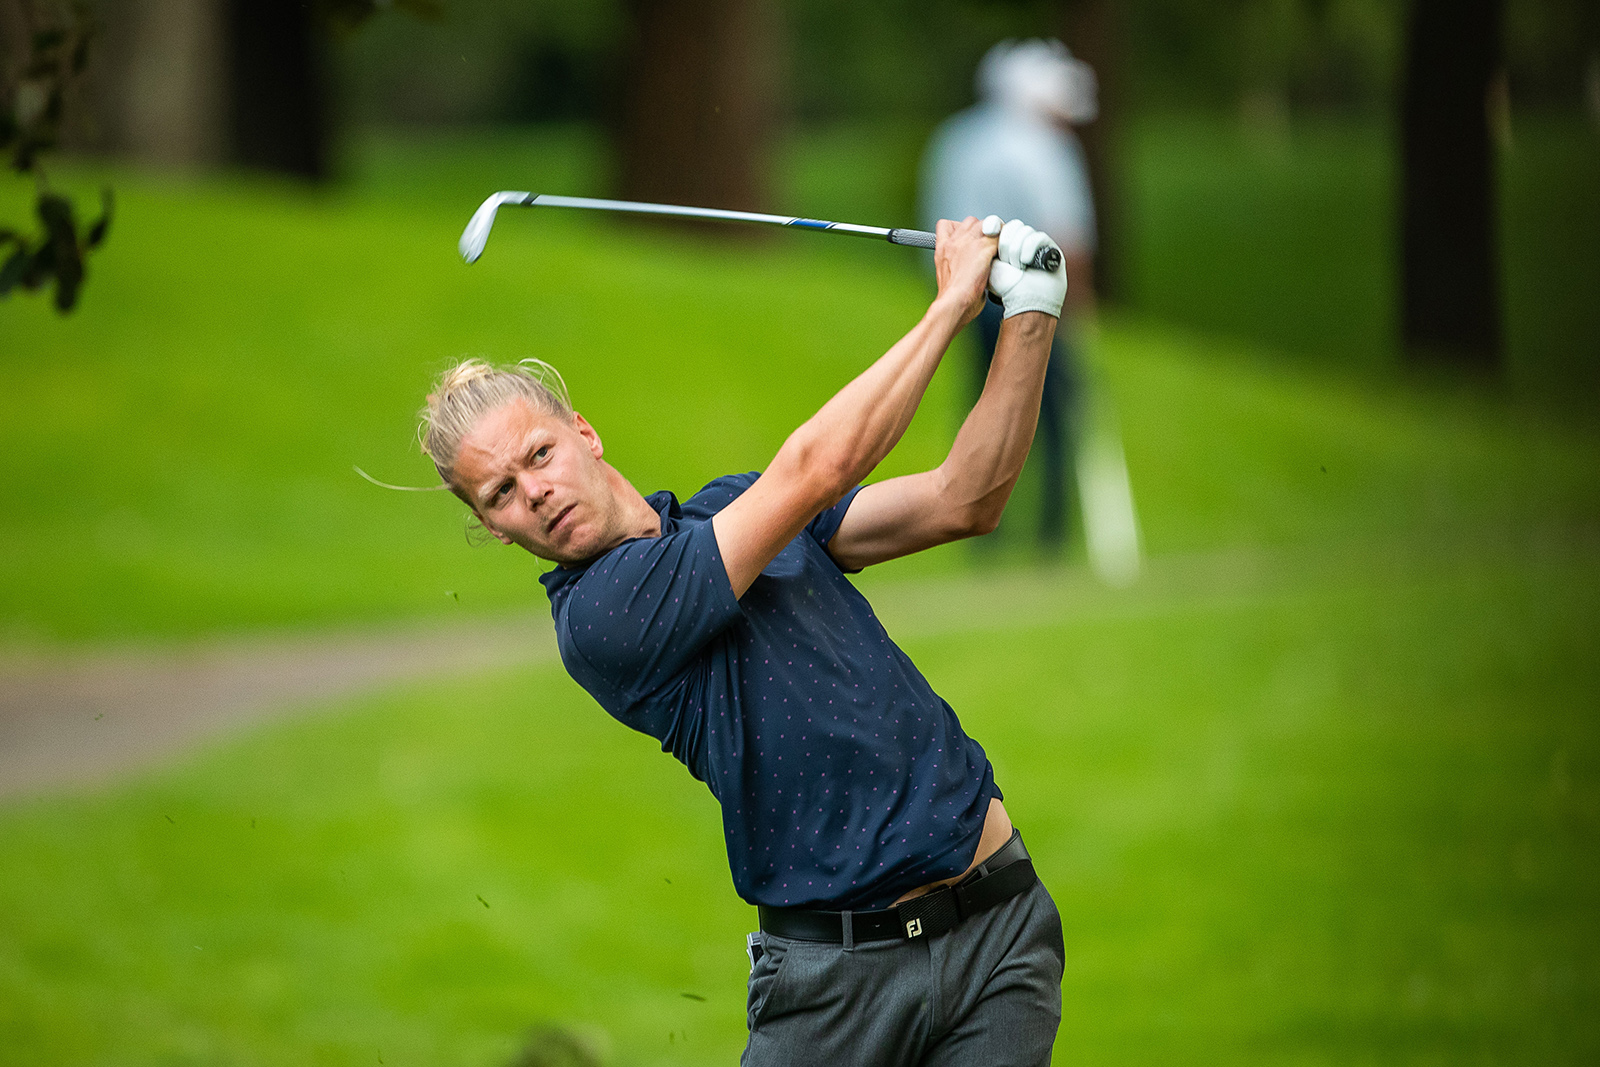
(844, 779)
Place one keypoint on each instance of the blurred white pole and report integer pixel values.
(1110, 523)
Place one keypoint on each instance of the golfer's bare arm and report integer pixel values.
(852, 433)
(966, 493)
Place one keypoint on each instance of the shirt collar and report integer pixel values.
(665, 505)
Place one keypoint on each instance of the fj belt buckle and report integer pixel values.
(930, 914)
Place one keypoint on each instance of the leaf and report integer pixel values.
(42, 67)
(55, 212)
(12, 271)
(40, 266)
(97, 232)
(69, 273)
(55, 104)
(60, 253)
(80, 51)
(67, 287)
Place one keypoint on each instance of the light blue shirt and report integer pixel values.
(991, 161)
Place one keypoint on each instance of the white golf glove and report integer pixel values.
(1020, 287)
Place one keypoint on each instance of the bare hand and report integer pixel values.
(961, 261)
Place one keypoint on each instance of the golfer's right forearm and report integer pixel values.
(852, 433)
(986, 459)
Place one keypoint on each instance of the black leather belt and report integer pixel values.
(997, 879)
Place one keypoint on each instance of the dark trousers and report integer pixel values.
(986, 993)
(1054, 442)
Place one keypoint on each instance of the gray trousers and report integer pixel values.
(986, 994)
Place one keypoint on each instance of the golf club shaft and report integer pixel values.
(1047, 258)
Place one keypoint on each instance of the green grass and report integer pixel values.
(1550, 229)
(1295, 810)
(1284, 239)
(177, 453)
(1333, 821)
(1323, 788)
(430, 882)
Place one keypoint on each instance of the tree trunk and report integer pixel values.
(13, 43)
(278, 118)
(1092, 30)
(1450, 308)
(698, 102)
(162, 81)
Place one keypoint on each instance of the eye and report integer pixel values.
(541, 453)
(501, 491)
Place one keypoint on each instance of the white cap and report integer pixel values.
(1041, 78)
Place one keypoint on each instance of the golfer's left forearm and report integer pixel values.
(855, 429)
(992, 445)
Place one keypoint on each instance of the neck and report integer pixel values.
(636, 518)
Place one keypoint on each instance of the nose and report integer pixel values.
(534, 488)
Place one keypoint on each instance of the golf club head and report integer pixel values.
(476, 235)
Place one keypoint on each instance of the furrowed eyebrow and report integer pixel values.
(534, 441)
(485, 495)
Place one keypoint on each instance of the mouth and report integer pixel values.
(559, 518)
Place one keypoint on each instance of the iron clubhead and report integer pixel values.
(476, 235)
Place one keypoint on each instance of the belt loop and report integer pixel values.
(846, 920)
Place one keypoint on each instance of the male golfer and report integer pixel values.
(901, 920)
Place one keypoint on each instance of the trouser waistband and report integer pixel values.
(997, 879)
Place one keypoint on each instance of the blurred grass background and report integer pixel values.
(180, 465)
(1324, 787)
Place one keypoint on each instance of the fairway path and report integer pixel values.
(79, 718)
(84, 717)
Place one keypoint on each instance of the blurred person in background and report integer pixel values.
(1014, 154)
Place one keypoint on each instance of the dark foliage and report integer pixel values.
(34, 101)
(347, 15)
(58, 253)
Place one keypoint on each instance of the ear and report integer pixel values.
(596, 447)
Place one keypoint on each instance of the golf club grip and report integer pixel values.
(912, 238)
(1045, 259)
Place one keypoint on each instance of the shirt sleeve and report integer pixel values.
(639, 615)
(826, 524)
(722, 492)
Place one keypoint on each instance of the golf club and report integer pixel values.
(476, 235)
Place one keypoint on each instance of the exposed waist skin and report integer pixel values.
(996, 832)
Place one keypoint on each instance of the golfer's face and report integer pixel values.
(537, 481)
